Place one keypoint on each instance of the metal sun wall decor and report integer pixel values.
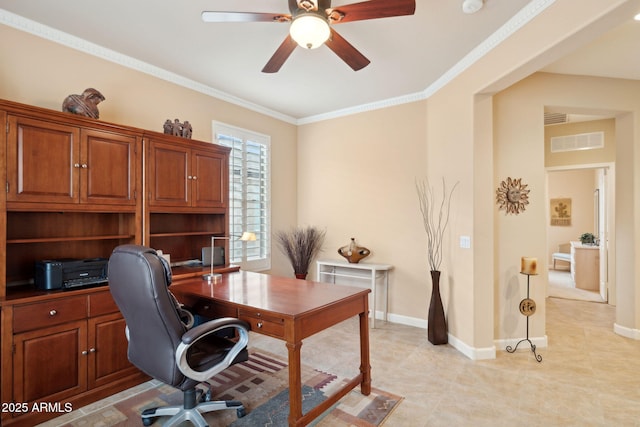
(512, 196)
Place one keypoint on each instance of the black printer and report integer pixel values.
(70, 273)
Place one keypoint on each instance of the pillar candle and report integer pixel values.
(528, 265)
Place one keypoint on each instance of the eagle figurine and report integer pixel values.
(85, 104)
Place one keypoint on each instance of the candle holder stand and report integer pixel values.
(527, 308)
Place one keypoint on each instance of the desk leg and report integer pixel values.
(365, 364)
(295, 383)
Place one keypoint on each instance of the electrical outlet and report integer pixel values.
(465, 242)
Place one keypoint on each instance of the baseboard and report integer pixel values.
(626, 332)
(471, 352)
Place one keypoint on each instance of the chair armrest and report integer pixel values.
(193, 335)
(214, 325)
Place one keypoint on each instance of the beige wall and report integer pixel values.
(356, 178)
(355, 175)
(42, 73)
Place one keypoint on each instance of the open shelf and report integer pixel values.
(34, 236)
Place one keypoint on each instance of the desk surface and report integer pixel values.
(268, 293)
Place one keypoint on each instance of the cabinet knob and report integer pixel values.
(85, 352)
(259, 325)
(92, 350)
(53, 313)
(84, 166)
(189, 177)
(195, 177)
(76, 165)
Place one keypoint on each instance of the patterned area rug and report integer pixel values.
(261, 384)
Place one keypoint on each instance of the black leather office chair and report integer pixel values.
(161, 345)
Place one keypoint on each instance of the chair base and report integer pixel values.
(190, 411)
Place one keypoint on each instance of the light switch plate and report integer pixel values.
(465, 242)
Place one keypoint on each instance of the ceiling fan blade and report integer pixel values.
(280, 56)
(208, 16)
(346, 51)
(372, 9)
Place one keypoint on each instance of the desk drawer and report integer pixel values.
(263, 323)
(210, 309)
(49, 313)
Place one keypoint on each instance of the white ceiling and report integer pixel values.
(408, 54)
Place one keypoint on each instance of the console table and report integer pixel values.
(328, 270)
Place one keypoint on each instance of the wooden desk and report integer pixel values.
(288, 309)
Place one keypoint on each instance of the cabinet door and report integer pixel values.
(107, 350)
(168, 175)
(42, 161)
(210, 179)
(108, 168)
(48, 363)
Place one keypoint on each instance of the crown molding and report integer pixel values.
(519, 20)
(529, 12)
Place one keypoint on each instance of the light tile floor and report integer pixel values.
(589, 376)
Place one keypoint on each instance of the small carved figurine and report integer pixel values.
(186, 129)
(177, 128)
(168, 127)
(85, 104)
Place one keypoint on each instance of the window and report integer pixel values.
(249, 195)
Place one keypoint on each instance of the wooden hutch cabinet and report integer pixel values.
(74, 189)
(187, 173)
(51, 162)
(187, 200)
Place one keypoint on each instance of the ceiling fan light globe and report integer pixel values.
(310, 30)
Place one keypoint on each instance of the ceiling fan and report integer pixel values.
(311, 26)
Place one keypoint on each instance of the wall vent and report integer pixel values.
(581, 141)
(555, 118)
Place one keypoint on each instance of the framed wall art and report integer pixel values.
(560, 212)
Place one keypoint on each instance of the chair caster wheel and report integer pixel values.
(241, 412)
(147, 421)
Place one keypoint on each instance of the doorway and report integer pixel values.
(585, 193)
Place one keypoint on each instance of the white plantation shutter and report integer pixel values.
(249, 195)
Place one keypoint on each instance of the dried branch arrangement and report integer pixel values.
(435, 218)
(301, 245)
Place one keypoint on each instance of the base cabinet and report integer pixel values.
(585, 266)
(62, 365)
(107, 355)
(49, 365)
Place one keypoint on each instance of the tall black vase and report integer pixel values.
(437, 324)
